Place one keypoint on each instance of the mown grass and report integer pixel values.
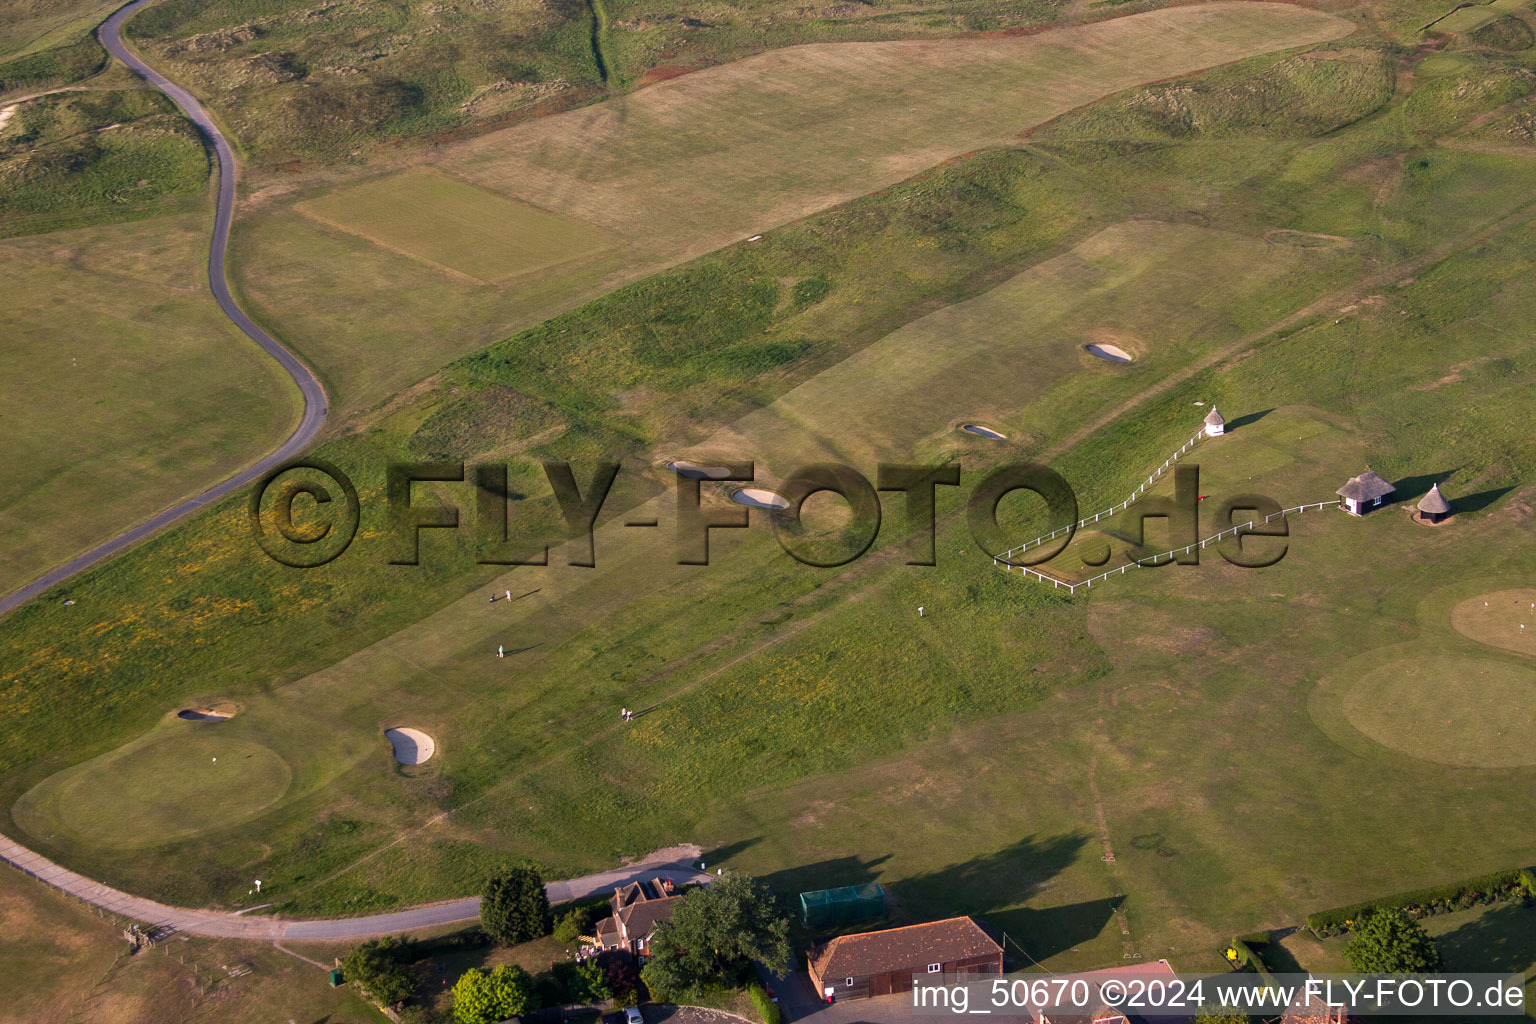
(305, 81)
(128, 388)
(704, 162)
(809, 722)
(73, 159)
(450, 223)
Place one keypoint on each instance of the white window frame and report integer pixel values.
(848, 981)
(935, 968)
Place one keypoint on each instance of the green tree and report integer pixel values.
(715, 934)
(375, 965)
(1391, 942)
(570, 925)
(481, 998)
(514, 907)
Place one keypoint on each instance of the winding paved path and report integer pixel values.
(111, 35)
(675, 863)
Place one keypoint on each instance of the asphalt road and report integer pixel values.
(677, 863)
(111, 35)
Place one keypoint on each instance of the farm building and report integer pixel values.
(879, 963)
(1433, 507)
(637, 909)
(1215, 426)
(1364, 492)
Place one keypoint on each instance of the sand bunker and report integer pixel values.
(971, 428)
(1113, 353)
(757, 497)
(213, 714)
(693, 471)
(412, 746)
(1306, 239)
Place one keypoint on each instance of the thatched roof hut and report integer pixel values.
(1364, 492)
(1433, 505)
(1215, 426)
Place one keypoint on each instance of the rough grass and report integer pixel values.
(451, 224)
(809, 726)
(30, 25)
(1504, 34)
(705, 160)
(128, 388)
(1312, 93)
(65, 963)
(730, 152)
(53, 66)
(301, 80)
(88, 157)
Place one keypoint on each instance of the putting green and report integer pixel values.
(1468, 712)
(1495, 619)
(176, 783)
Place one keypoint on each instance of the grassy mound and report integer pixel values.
(174, 784)
(1467, 712)
(1303, 95)
(77, 158)
(1504, 34)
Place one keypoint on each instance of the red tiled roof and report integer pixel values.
(895, 949)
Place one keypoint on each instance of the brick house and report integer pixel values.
(882, 962)
(637, 909)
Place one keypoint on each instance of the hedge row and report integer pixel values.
(1518, 884)
(766, 1007)
(1247, 949)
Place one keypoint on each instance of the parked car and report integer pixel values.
(632, 1016)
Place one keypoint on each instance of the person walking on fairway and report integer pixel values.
(509, 595)
(501, 651)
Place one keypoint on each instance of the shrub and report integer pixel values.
(375, 966)
(1245, 952)
(481, 998)
(570, 925)
(1391, 942)
(766, 1008)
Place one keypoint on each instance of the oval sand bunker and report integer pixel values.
(412, 746)
(693, 471)
(1113, 353)
(205, 714)
(757, 497)
(987, 432)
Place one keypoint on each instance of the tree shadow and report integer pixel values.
(827, 874)
(1502, 939)
(1035, 935)
(1476, 502)
(1411, 488)
(726, 852)
(1252, 417)
(995, 886)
